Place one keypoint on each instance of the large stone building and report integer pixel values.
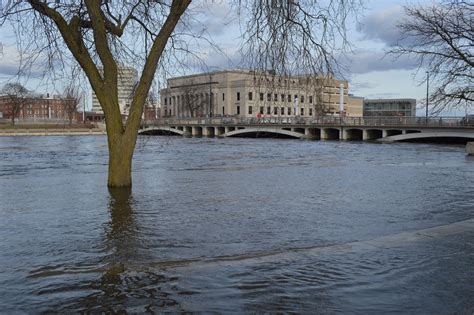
(245, 93)
(36, 107)
(127, 79)
(401, 107)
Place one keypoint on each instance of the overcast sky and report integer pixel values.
(371, 73)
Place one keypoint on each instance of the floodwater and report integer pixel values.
(236, 226)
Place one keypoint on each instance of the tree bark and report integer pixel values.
(121, 149)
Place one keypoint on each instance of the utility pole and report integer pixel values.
(427, 93)
(210, 95)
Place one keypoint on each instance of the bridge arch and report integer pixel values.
(353, 134)
(432, 136)
(155, 131)
(264, 131)
(373, 134)
(330, 134)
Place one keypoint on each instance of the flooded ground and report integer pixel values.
(237, 225)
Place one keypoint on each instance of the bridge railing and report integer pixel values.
(452, 122)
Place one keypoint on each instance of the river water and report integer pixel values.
(236, 226)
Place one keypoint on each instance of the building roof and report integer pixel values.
(387, 100)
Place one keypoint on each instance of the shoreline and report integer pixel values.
(51, 132)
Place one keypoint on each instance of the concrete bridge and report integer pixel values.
(384, 129)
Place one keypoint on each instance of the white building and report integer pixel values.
(245, 93)
(127, 80)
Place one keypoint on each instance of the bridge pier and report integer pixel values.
(352, 134)
(330, 134)
(197, 131)
(188, 131)
(219, 131)
(312, 133)
(208, 131)
(371, 134)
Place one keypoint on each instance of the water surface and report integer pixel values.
(234, 225)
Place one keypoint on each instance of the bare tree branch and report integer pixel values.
(441, 38)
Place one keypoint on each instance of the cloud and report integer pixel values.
(10, 63)
(214, 18)
(9, 57)
(381, 26)
(211, 60)
(365, 61)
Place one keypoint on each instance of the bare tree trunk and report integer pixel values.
(121, 149)
(121, 144)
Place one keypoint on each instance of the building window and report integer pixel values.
(289, 110)
(289, 98)
(250, 110)
(311, 112)
(223, 110)
(275, 110)
(223, 96)
(282, 111)
(250, 96)
(302, 98)
(275, 97)
(261, 96)
(238, 110)
(166, 101)
(296, 97)
(268, 110)
(269, 97)
(238, 96)
(302, 111)
(261, 110)
(311, 99)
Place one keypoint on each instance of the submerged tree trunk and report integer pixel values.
(120, 160)
(121, 143)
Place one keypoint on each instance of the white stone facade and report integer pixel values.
(245, 93)
(127, 79)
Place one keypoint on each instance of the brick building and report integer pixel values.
(36, 107)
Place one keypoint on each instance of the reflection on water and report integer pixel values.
(236, 225)
(122, 230)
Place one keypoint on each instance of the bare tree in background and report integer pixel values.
(17, 96)
(72, 100)
(287, 36)
(193, 100)
(441, 37)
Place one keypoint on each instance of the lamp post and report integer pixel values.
(427, 93)
(209, 113)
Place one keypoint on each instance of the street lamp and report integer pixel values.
(427, 93)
